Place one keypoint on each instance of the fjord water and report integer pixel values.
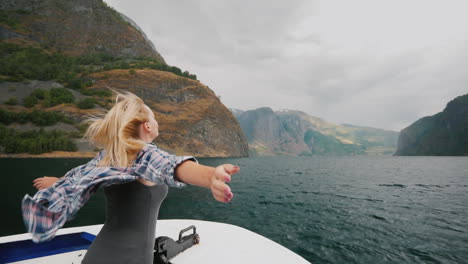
(327, 209)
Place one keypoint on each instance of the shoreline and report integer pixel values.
(53, 154)
(69, 154)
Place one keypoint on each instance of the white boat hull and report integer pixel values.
(219, 243)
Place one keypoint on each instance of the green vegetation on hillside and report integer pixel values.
(326, 145)
(86, 103)
(58, 96)
(12, 101)
(39, 118)
(9, 18)
(96, 92)
(33, 63)
(29, 101)
(34, 142)
(20, 63)
(49, 98)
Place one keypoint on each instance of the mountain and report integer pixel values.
(74, 28)
(289, 132)
(443, 134)
(59, 57)
(236, 112)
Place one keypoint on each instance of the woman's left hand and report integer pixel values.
(44, 182)
(222, 174)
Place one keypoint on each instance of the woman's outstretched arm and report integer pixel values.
(209, 177)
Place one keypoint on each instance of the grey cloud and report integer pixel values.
(261, 53)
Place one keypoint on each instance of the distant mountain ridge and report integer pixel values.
(291, 132)
(443, 134)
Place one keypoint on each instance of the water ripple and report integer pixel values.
(393, 185)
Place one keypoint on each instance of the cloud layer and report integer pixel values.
(372, 63)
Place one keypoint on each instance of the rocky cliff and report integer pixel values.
(443, 134)
(192, 119)
(59, 57)
(268, 133)
(289, 132)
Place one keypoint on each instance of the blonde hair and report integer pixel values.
(118, 130)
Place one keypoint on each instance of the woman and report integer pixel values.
(143, 173)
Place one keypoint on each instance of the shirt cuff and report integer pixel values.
(180, 159)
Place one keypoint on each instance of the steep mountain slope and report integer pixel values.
(443, 134)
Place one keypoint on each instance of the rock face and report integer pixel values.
(290, 132)
(443, 134)
(77, 27)
(271, 133)
(192, 120)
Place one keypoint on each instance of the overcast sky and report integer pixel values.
(382, 64)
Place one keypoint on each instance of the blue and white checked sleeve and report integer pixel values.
(159, 167)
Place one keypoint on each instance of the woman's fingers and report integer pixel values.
(44, 182)
(225, 171)
(41, 179)
(37, 183)
(231, 169)
(221, 192)
(38, 186)
(227, 177)
(218, 195)
(221, 175)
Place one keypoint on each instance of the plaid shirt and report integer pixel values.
(49, 209)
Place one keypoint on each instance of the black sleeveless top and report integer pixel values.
(129, 230)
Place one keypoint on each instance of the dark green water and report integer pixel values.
(327, 209)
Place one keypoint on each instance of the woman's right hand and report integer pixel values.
(44, 182)
(222, 174)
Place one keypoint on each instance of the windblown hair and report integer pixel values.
(118, 130)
